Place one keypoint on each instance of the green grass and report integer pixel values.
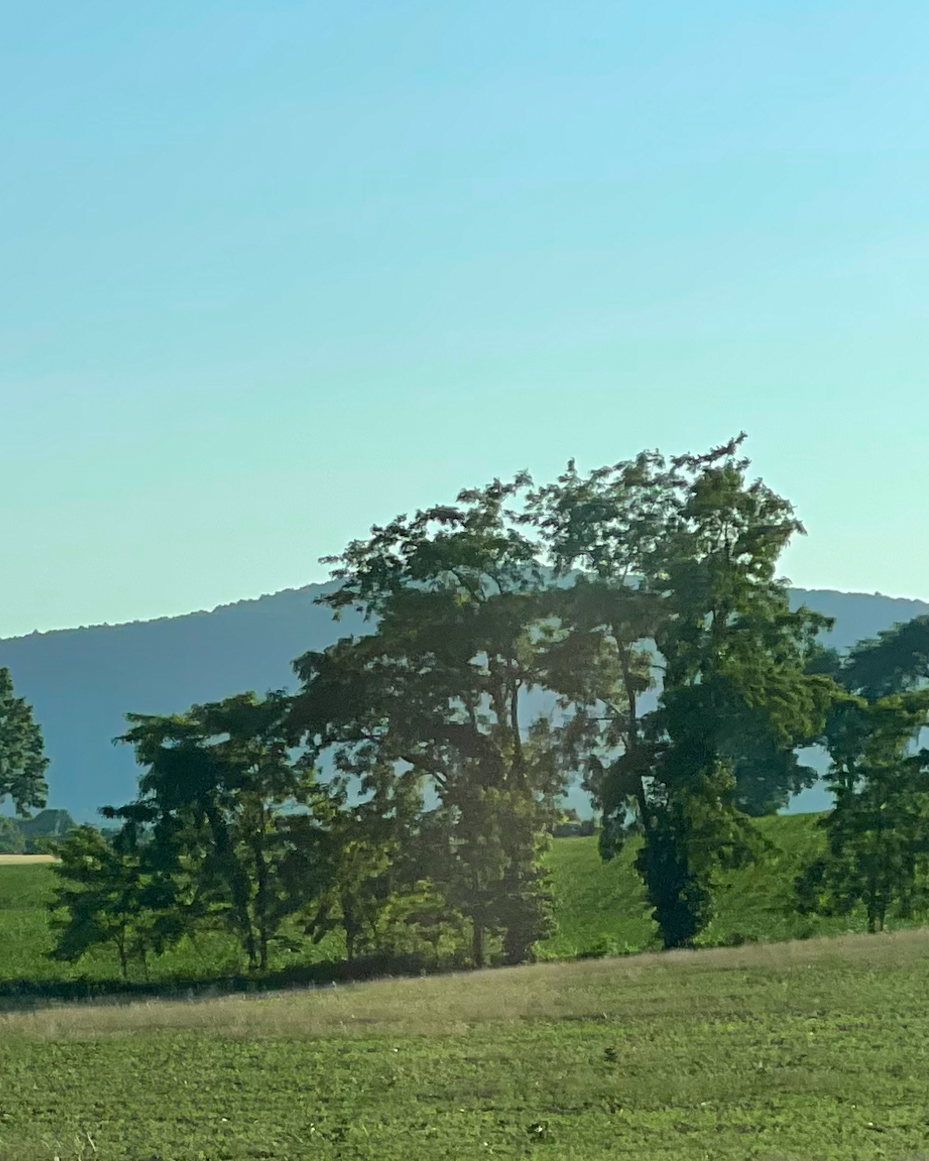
(772, 1051)
(795, 1052)
(26, 938)
(599, 907)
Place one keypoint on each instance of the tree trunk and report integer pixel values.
(350, 927)
(477, 944)
(632, 728)
(261, 896)
(123, 958)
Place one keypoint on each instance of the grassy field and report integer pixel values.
(775, 1051)
(791, 1051)
(599, 909)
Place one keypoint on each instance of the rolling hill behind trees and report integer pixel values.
(82, 681)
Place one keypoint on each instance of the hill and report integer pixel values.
(82, 681)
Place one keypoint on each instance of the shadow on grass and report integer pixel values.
(25, 995)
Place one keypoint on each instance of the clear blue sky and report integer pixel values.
(273, 271)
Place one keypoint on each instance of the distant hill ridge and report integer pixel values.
(82, 681)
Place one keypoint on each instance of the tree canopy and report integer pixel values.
(22, 751)
(404, 795)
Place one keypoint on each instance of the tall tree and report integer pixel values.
(22, 753)
(439, 690)
(734, 672)
(878, 831)
(683, 557)
(601, 658)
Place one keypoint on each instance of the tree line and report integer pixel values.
(405, 793)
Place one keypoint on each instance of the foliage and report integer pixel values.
(12, 839)
(234, 831)
(597, 905)
(878, 833)
(212, 800)
(896, 661)
(682, 558)
(645, 597)
(437, 691)
(735, 679)
(22, 757)
(601, 662)
(33, 834)
(106, 898)
(206, 956)
(379, 895)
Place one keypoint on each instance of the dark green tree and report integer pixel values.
(601, 659)
(895, 661)
(735, 672)
(228, 805)
(680, 583)
(104, 898)
(877, 852)
(12, 839)
(438, 690)
(22, 754)
(376, 895)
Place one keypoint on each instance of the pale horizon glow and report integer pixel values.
(275, 272)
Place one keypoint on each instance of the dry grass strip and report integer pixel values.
(629, 988)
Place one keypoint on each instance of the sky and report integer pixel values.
(272, 272)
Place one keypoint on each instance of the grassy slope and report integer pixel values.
(599, 907)
(789, 1051)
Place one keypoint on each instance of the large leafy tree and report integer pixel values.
(624, 526)
(22, 756)
(679, 561)
(735, 674)
(600, 534)
(437, 693)
(234, 813)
